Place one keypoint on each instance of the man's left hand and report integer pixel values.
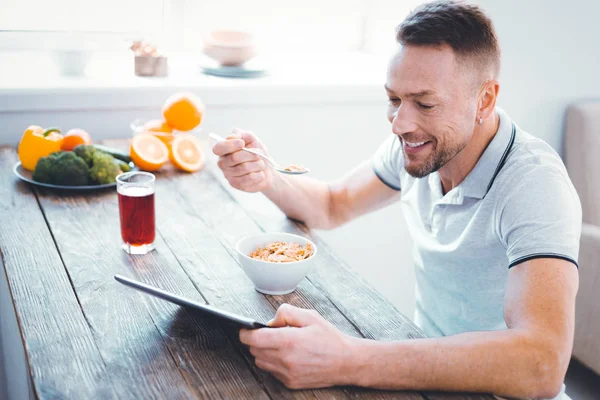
(304, 351)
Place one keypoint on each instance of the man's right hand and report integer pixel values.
(318, 204)
(244, 171)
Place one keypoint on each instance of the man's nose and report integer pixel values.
(403, 121)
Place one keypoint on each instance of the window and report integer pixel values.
(81, 15)
(179, 25)
(309, 25)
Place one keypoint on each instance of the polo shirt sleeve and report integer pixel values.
(540, 216)
(388, 162)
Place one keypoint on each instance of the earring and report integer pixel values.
(480, 120)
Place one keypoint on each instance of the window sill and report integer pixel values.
(30, 82)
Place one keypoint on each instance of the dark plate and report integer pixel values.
(25, 175)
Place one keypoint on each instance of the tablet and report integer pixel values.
(237, 320)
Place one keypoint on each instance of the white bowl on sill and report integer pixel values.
(71, 62)
(230, 48)
(270, 277)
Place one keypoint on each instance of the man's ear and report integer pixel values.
(488, 95)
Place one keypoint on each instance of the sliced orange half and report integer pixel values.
(160, 129)
(148, 152)
(157, 125)
(186, 152)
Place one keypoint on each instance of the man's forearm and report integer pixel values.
(304, 199)
(509, 363)
(328, 205)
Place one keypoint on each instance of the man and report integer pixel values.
(494, 217)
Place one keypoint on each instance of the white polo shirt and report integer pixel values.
(516, 204)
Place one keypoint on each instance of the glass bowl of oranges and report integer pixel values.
(175, 135)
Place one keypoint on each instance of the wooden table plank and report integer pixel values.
(213, 269)
(198, 250)
(204, 246)
(369, 311)
(125, 334)
(166, 354)
(211, 213)
(220, 210)
(64, 361)
(203, 350)
(210, 264)
(372, 315)
(150, 348)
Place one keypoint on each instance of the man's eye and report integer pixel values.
(425, 106)
(394, 100)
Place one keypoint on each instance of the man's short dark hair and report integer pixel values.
(463, 27)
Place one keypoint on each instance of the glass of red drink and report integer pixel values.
(136, 211)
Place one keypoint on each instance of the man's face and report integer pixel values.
(432, 106)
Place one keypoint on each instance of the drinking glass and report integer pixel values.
(136, 211)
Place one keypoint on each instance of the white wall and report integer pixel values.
(551, 57)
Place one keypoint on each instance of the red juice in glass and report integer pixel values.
(135, 191)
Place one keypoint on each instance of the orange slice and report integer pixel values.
(166, 138)
(160, 129)
(148, 152)
(186, 152)
(157, 125)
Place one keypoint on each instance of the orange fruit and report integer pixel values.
(157, 125)
(74, 138)
(183, 111)
(186, 152)
(160, 129)
(148, 152)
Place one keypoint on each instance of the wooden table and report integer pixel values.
(86, 336)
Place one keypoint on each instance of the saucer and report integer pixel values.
(248, 70)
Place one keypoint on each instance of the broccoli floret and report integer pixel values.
(43, 170)
(104, 169)
(57, 153)
(70, 170)
(85, 151)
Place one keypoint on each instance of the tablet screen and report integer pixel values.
(237, 320)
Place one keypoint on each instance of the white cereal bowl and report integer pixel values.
(71, 62)
(269, 277)
(230, 48)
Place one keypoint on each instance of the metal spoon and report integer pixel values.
(276, 166)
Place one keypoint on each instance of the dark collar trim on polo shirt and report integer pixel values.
(542, 255)
(504, 157)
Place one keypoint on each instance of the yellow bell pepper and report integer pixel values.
(36, 143)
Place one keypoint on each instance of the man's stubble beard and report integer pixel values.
(435, 161)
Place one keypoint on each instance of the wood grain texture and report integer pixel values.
(460, 396)
(231, 213)
(213, 220)
(86, 230)
(199, 249)
(201, 224)
(64, 361)
(369, 311)
(372, 315)
(213, 269)
(158, 351)
(148, 348)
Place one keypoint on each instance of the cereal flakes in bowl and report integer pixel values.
(276, 262)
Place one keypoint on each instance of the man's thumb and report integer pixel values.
(288, 315)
